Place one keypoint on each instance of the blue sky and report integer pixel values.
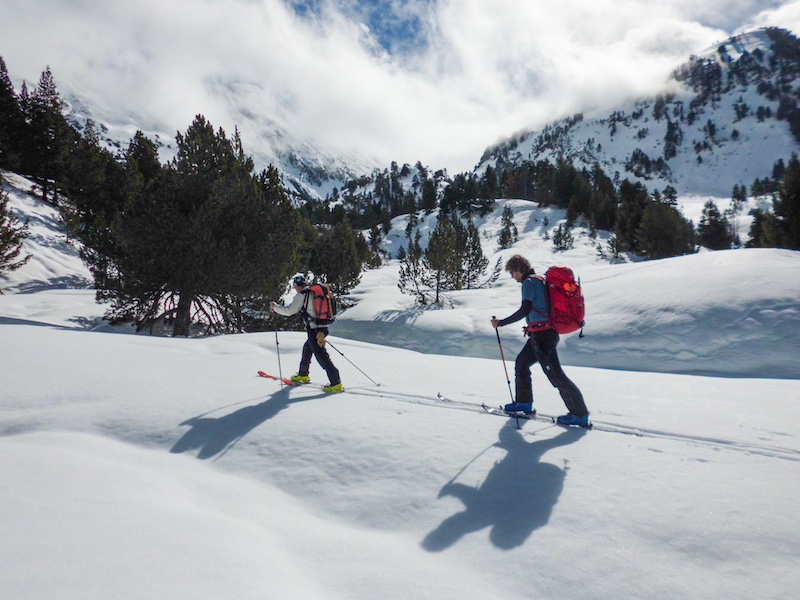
(431, 80)
(398, 27)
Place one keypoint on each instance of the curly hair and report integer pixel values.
(518, 263)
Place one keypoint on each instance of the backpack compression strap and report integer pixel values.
(540, 325)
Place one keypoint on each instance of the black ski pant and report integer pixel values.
(312, 347)
(541, 348)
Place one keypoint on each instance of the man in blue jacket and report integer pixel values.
(540, 347)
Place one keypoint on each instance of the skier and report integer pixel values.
(540, 347)
(315, 344)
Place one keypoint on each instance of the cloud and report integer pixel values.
(786, 15)
(467, 72)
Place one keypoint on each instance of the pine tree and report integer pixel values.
(411, 224)
(93, 183)
(508, 233)
(580, 203)
(714, 230)
(562, 238)
(202, 237)
(51, 137)
(664, 232)
(375, 238)
(738, 196)
(474, 262)
(763, 230)
(489, 184)
(386, 220)
(780, 228)
(603, 202)
(12, 122)
(787, 206)
(615, 253)
(335, 258)
(12, 235)
(413, 275)
(633, 199)
(442, 257)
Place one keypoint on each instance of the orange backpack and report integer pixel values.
(324, 303)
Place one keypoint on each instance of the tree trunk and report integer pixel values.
(183, 316)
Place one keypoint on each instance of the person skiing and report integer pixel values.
(540, 347)
(315, 344)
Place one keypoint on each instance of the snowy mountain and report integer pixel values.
(264, 119)
(151, 467)
(725, 118)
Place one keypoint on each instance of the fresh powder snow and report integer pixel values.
(152, 467)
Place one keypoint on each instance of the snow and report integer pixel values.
(739, 151)
(139, 466)
(701, 314)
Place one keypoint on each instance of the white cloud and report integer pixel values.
(491, 67)
(787, 16)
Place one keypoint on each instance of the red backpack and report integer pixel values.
(324, 303)
(565, 299)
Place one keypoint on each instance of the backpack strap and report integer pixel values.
(539, 325)
(304, 309)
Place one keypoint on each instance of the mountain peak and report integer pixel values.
(725, 118)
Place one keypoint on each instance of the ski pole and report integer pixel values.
(503, 358)
(352, 363)
(277, 348)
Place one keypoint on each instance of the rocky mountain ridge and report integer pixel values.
(726, 117)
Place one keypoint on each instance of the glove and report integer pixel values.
(320, 339)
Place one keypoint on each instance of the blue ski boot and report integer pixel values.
(571, 420)
(517, 407)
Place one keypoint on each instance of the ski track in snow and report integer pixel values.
(769, 450)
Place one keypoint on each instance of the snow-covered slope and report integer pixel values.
(641, 316)
(55, 261)
(146, 467)
(722, 121)
(649, 316)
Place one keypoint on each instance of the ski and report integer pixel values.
(276, 378)
(534, 416)
(286, 381)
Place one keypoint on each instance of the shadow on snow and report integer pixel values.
(213, 436)
(516, 498)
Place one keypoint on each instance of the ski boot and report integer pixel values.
(517, 407)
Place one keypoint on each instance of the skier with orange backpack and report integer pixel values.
(547, 314)
(317, 308)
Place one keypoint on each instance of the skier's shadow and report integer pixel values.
(516, 498)
(214, 435)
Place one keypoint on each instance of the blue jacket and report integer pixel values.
(534, 303)
(533, 290)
